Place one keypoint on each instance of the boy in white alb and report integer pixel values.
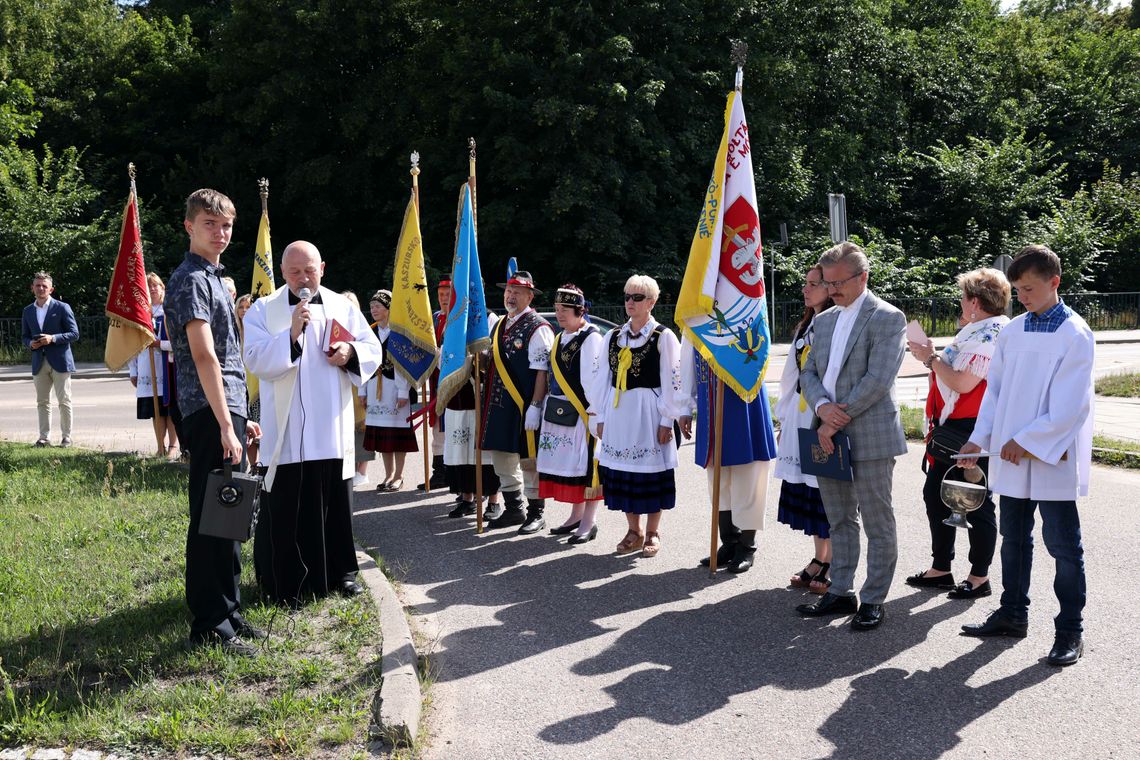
(1038, 410)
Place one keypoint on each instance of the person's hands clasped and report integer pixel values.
(832, 414)
(533, 417)
(826, 432)
(686, 427)
(664, 434)
(340, 354)
(252, 432)
(300, 319)
(401, 403)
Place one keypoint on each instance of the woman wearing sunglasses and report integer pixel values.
(633, 404)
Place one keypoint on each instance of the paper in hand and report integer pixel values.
(915, 333)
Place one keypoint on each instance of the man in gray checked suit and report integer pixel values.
(849, 379)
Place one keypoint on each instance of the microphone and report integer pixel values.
(304, 294)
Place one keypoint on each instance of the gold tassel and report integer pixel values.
(803, 361)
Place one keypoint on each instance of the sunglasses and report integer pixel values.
(637, 297)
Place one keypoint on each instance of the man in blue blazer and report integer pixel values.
(49, 328)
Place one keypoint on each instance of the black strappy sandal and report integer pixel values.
(803, 578)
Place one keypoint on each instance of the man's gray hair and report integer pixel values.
(41, 276)
(846, 253)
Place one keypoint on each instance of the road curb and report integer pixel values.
(396, 711)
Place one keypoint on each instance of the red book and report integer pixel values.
(338, 333)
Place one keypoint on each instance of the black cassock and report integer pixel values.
(304, 542)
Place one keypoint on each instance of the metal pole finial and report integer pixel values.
(415, 160)
(739, 57)
(739, 54)
(471, 148)
(131, 170)
(263, 190)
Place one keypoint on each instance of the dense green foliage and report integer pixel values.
(956, 132)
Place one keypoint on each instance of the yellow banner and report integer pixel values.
(694, 298)
(412, 342)
(262, 286)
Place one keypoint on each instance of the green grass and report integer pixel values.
(1126, 385)
(93, 624)
(1113, 456)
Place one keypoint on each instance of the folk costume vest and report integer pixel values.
(510, 387)
(566, 366)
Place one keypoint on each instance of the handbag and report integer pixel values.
(948, 439)
(231, 504)
(560, 412)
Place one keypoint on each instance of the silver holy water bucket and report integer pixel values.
(962, 497)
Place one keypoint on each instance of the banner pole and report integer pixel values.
(475, 365)
(159, 427)
(718, 445)
(415, 172)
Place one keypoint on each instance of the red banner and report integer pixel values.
(130, 328)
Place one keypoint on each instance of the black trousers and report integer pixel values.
(983, 523)
(213, 565)
(304, 543)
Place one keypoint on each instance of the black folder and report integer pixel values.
(813, 460)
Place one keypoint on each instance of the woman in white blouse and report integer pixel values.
(567, 469)
(633, 406)
(387, 428)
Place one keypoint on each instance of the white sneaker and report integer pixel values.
(359, 480)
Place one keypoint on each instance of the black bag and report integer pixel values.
(232, 502)
(560, 412)
(948, 439)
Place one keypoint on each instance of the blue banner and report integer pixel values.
(467, 331)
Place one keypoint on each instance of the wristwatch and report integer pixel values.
(929, 362)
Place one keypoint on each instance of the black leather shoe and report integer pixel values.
(508, 519)
(350, 588)
(250, 632)
(232, 645)
(493, 511)
(868, 617)
(576, 539)
(997, 624)
(1067, 649)
(939, 581)
(534, 523)
(723, 554)
(463, 509)
(565, 530)
(966, 590)
(829, 604)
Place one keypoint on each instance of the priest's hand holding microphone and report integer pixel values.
(339, 353)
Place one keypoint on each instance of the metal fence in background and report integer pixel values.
(938, 317)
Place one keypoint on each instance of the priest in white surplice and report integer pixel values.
(308, 353)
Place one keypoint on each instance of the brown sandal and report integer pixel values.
(652, 544)
(631, 543)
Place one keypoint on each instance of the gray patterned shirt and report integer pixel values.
(196, 291)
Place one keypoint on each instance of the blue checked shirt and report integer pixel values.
(1050, 321)
(196, 291)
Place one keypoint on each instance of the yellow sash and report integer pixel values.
(576, 402)
(803, 361)
(503, 370)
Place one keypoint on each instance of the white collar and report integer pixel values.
(856, 304)
(644, 331)
(511, 320)
(47, 303)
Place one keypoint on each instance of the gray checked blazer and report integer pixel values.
(867, 381)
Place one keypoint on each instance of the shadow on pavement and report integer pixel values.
(692, 662)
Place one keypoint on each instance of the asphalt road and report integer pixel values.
(543, 650)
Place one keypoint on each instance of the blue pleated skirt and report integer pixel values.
(801, 508)
(640, 493)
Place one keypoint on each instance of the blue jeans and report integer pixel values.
(1061, 528)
